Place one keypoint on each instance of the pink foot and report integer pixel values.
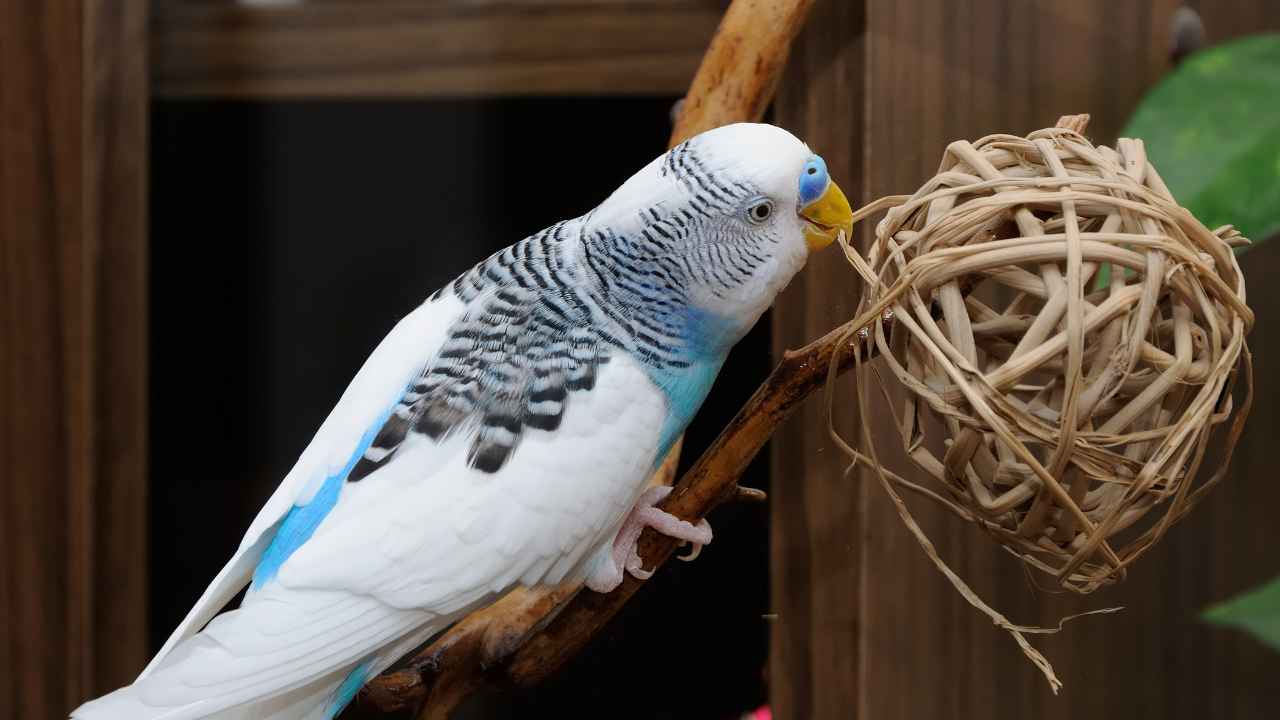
(623, 557)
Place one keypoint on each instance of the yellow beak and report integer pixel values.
(826, 217)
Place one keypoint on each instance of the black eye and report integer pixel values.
(760, 211)
(813, 171)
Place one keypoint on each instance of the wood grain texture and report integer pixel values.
(867, 627)
(72, 351)
(816, 514)
(44, 418)
(117, 107)
(1226, 19)
(400, 48)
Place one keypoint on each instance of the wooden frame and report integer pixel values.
(73, 354)
(396, 48)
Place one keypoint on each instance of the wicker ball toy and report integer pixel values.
(1073, 335)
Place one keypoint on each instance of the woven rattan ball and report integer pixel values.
(1074, 337)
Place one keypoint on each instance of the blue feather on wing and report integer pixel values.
(301, 521)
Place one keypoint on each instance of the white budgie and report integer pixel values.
(501, 434)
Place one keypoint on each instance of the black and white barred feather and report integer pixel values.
(544, 315)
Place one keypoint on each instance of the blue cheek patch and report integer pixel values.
(813, 180)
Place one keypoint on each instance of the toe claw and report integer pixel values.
(704, 531)
(623, 557)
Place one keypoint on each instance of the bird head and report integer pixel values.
(727, 218)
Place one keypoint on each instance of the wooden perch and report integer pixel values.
(530, 633)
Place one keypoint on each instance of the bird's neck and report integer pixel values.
(644, 284)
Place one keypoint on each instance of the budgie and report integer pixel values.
(501, 434)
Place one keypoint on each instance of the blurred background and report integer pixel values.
(210, 213)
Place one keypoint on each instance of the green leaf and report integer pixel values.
(1257, 612)
(1212, 129)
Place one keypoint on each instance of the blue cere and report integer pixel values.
(813, 180)
(302, 520)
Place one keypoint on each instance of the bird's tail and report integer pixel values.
(318, 700)
(235, 671)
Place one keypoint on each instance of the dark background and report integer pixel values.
(289, 237)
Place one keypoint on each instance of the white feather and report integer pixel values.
(406, 550)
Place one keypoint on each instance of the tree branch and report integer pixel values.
(530, 633)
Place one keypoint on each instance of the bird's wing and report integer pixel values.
(412, 546)
(497, 436)
(513, 454)
(419, 541)
(432, 530)
(380, 381)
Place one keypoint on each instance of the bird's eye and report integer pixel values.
(760, 212)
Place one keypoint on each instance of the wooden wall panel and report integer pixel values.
(878, 632)
(117, 164)
(1226, 19)
(421, 48)
(44, 397)
(815, 513)
(72, 353)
